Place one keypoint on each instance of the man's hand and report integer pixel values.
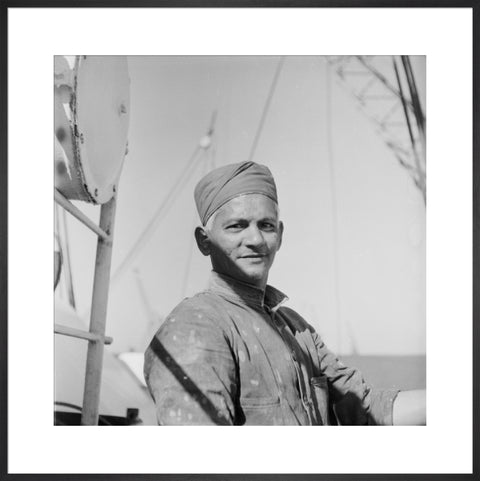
(409, 408)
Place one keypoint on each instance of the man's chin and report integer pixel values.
(254, 277)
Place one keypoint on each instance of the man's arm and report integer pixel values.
(354, 401)
(358, 403)
(409, 408)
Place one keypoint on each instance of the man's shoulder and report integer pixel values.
(295, 320)
(203, 303)
(204, 310)
(199, 314)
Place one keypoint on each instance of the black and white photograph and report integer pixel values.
(261, 240)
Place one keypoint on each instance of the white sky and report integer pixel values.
(380, 213)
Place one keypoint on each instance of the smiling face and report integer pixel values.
(243, 238)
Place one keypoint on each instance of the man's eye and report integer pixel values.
(234, 226)
(268, 226)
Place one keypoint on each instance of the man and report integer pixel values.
(234, 354)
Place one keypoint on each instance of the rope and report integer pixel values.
(191, 244)
(186, 174)
(189, 260)
(153, 224)
(266, 107)
(331, 172)
(420, 180)
(333, 192)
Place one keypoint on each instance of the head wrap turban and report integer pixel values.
(229, 181)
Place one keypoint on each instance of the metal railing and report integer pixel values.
(96, 334)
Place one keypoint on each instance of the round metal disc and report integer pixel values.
(101, 112)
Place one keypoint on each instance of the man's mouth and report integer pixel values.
(253, 256)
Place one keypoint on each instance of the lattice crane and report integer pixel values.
(386, 92)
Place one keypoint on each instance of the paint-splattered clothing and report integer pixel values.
(230, 355)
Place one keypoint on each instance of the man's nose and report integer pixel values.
(254, 236)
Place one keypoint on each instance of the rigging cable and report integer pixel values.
(417, 107)
(208, 164)
(152, 315)
(333, 192)
(421, 177)
(152, 225)
(190, 244)
(266, 107)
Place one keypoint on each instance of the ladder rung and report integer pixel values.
(76, 212)
(89, 336)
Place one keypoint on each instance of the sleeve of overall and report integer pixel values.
(190, 370)
(355, 402)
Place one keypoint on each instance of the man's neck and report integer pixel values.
(249, 293)
(260, 285)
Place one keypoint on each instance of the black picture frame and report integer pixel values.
(4, 267)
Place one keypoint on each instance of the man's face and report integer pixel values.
(244, 238)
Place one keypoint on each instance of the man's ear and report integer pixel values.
(280, 234)
(203, 241)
